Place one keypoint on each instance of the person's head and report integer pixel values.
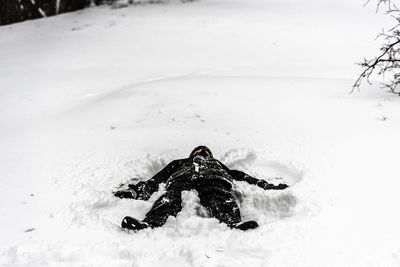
(202, 151)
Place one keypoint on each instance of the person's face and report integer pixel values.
(202, 151)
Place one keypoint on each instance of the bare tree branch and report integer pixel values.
(387, 63)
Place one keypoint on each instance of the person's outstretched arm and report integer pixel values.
(143, 190)
(242, 176)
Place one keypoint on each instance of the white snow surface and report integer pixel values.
(94, 98)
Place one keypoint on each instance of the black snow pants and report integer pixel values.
(213, 196)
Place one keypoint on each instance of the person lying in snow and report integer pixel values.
(201, 172)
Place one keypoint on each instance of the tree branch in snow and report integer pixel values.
(387, 63)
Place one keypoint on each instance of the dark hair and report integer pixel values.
(204, 151)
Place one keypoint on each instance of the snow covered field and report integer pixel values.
(94, 98)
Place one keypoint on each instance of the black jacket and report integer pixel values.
(196, 170)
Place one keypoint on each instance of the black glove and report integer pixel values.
(281, 186)
(267, 186)
(143, 189)
(127, 193)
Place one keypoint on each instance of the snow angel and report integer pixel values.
(201, 172)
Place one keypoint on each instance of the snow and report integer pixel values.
(96, 97)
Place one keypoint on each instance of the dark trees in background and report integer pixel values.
(72, 5)
(387, 62)
(12, 11)
(19, 10)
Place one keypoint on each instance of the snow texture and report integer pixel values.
(95, 98)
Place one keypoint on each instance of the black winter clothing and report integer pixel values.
(208, 176)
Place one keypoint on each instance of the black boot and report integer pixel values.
(133, 224)
(245, 225)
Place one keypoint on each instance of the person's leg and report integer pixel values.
(220, 203)
(169, 204)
